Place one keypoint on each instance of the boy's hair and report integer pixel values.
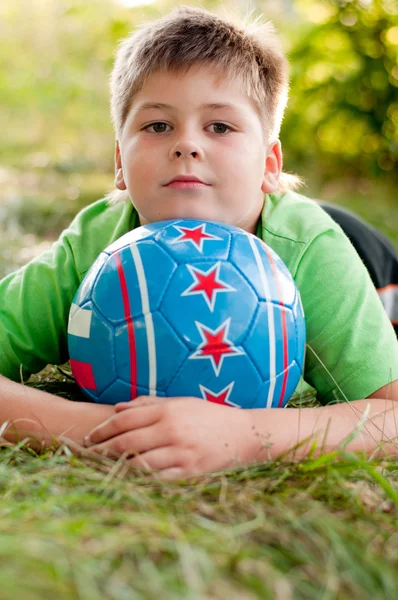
(189, 36)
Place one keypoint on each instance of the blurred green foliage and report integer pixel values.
(343, 110)
(56, 152)
(54, 65)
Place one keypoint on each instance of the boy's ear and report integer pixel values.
(119, 179)
(273, 168)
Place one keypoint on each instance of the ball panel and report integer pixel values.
(285, 337)
(117, 392)
(299, 320)
(85, 289)
(276, 392)
(122, 290)
(237, 369)
(271, 342)
(107, 293)
(170, 351)
(208, 299)
(282, 283)
(90, 394)
(160, 353)
(293, 378)
(263, 268)
(131, 237)
(80, 320)
(121, 392)
(96, 350)
(186, 239)
(155, 269)
(84, 375)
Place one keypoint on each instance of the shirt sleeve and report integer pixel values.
(352, 350)
(34, 309)
(35, 300)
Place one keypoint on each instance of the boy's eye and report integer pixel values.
(159, 127)
(220, 125)
(155, 125)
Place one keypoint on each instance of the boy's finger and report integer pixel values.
(140, 401)
(115, 426)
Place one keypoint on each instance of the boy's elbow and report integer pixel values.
(387, 392)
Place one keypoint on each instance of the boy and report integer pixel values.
(196, 96)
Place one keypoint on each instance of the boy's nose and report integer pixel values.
(193, 153)
(186, 150)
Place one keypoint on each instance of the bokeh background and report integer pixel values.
(56, 143)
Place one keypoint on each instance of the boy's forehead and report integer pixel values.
(195, 83)
(205, 72)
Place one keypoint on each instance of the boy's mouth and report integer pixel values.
(186, 185)
(186, 179)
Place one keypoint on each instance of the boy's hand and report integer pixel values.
(179, 437)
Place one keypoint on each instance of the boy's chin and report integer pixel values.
(196, 215)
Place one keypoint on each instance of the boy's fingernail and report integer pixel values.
(87, 440)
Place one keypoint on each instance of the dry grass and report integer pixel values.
(92, 528)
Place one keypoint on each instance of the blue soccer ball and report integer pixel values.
(188, 308)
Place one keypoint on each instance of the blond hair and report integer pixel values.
(189, 36)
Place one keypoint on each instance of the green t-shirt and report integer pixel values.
(352, 349)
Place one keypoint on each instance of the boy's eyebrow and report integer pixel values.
(161, 105)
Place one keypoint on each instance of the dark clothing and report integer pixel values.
(377, 253)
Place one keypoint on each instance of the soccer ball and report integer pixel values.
(188, 308)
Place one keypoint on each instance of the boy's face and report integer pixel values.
(224, 147)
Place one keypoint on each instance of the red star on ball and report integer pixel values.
(207, 283)
(196, 235)
(215, 345)
(221, 397)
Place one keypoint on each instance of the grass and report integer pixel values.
(75, 530)
(90, 528)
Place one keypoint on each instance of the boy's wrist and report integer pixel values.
(26, 412)
(276, 431)
(82, 418)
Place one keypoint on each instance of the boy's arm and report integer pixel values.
(352, 348)
(35, 414)
(35, 300)
(375, 418)
(183, 437)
